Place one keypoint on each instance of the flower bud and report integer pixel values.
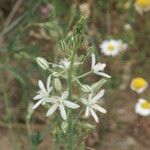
(63, 45)
(57, 84)
(42, 63)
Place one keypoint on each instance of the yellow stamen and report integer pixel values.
(143, 3)
(145, 105)
(111, 47)
(138, 83)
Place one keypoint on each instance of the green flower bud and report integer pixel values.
(42, 63)
(57, 84)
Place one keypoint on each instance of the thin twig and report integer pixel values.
(10, 16)
(12, 13)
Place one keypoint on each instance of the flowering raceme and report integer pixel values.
(64, 105)
(43, 96)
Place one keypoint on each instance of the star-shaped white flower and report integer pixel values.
(98, 68)
(92, 105)
(61, 102)
(64, 64)
(44, 92)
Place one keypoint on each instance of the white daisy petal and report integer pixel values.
(99, 108)
(97, 97)
(94, 115)
(38, 103)
(70, 104)
(62, 111)
(52, 109)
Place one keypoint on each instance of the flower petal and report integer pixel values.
(97, 97)
(99, 108)
(87, 112)
(41, 85)
(84, 101)
(99, 67)
(38, 103)
(52, 109)
(93, 61)
(103, 74)
(38, 97)
(64, 95)
(70, 104)
(62, 111)
(48, 83)
(94, 115)
(52, 99)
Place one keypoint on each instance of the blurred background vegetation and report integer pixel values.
(34, 28)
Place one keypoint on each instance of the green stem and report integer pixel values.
(70, 145)
(69, 82)
(85, 74)
(75, 79)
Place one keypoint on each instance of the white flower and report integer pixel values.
(61, 102)
(44, 92)
(110, 47)
(42, 62)
(113, 47)
(65, 64)
(142, 107)
(98, 68)
(92, 105)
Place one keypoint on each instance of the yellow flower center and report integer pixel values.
(143, 3)
(111, 47)
(145, 105)
(139, 83)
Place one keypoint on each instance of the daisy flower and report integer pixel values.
(138, 84)
(92, 105)
(60, 103)
(98, 68)
(110, 47)
(44, 92)
(142, 107)
(142, 6)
